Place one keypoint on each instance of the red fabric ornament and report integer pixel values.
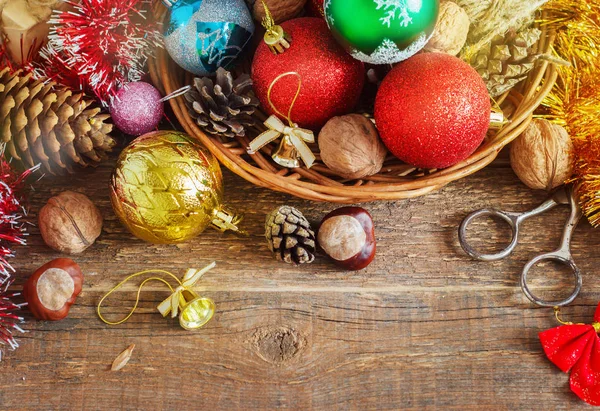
(576, 347)
(99, 45)
(331, 79)
(432, 110)
(315, 8)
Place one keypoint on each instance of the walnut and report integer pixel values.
(281, 10)
(542, 157)
(451, 30)
(350, 146)
(70, 222)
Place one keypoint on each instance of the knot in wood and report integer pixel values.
(277, 345)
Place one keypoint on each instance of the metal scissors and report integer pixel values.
(563, 196)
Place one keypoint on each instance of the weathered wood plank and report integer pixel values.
(422, 327)
(356, 350)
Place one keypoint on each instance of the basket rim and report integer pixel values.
(320, 187)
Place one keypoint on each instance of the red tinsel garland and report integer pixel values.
(9, 321)
(99, 45)
(12, 229)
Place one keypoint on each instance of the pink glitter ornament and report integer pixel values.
(137, 108)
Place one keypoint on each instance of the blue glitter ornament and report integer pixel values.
(203, 35)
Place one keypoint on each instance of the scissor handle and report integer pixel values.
(513, 219)
(561, 256)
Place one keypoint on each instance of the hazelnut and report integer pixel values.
(70, 222)
(52, 289)
(281, 10)
(350, 146)
(542, 157)
(347, 235)
(451, 30)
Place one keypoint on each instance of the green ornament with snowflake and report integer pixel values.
(382, 31)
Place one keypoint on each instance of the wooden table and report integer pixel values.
(423, 327)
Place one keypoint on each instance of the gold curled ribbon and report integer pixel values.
(297, 137)
(172, 304)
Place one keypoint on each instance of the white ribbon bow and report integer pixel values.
(176, 300)
(298, 137)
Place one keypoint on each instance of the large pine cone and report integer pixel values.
(42, 123)
(224, 107)
(507, 61)
(290, 237)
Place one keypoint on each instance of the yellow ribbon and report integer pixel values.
(276, 128)
(175, 300)
(190, 278)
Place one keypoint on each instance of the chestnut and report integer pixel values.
(52, 289)
(347, 235)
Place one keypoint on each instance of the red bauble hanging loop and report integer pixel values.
(433, 110)
(331, 79)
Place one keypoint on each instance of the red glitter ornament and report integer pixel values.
(432, 110)
(315, 8)
(576, 347)
(331, 79)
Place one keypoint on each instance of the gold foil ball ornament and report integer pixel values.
(167, 188)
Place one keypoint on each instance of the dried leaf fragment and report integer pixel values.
(122, 359)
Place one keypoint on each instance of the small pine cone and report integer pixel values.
(44, 123)
(507, 60)
(289, 236)
(224, 108)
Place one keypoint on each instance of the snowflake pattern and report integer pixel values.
(389, 53)
(397, 10)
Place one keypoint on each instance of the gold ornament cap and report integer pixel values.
(275, 37)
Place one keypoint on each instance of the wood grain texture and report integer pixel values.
(423, 327)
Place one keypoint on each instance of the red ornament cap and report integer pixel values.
(433, 110)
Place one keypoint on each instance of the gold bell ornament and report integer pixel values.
(293, 145)
(194, 311)
(168, 188)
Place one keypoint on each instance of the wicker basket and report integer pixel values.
(396, 179)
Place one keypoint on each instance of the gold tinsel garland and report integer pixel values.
(575, 100)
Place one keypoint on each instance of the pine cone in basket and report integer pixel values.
(507, 60)
(224, 107)
(290, 237)
(42, 123)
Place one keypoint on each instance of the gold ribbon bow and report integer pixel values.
(176, 299)
(297, 137)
